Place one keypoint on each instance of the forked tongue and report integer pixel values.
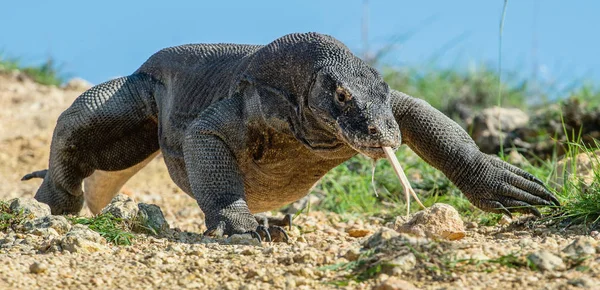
(402, 177)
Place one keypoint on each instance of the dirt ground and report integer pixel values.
(28, 113)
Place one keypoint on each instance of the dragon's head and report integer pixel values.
(325, 82)
(352, 100)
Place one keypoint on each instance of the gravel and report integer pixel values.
(326, 250)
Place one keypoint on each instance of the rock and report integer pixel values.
(123, 207)
(38, 267)
(546, 261)
(394, 283)
(586, 164)
(77, 84)
(583, 282)
(471, 225)
(255, 272)
(150, 219)
(306, 273)
(242, 239)
(45, 232)
(440, 221)
(504, 220)
(526, 242)
(55, 222)
(80, 239)
(352, 254)
(581, 247)
(495, 123)
(571, 115)
(400, 264)
(29, 206)
(383, 235)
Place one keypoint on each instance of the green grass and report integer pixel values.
(348, 189)
(580, 200)
(113, 229)
(359, 270)
(48, 73)
(8, 218)
(587, 93)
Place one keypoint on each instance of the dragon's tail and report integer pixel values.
(35, 174)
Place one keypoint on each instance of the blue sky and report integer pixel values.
(99, 40)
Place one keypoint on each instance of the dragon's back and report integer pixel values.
(189, 79)
(198, 74)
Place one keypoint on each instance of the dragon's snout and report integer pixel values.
(370, 137)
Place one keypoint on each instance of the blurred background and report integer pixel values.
(527, 92)
(548, 41)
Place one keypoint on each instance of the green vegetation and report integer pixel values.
(511, 260)
(580, 198)
(47, 73)
(445, 89)
(359, 270)
(8, 218)
(589, 94)
(113, 229)
(348, 189)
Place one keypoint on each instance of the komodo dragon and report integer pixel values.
(249, 128)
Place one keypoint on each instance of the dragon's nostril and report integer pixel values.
(373, 130)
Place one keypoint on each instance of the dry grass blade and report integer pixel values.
(403, 180)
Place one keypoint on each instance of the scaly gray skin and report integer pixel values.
(246, 129)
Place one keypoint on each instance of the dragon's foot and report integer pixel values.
(267, 221)
(272, 228)
(260, 227)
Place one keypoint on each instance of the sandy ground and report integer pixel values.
(28, 113)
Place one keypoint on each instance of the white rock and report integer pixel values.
(394, 283)
(56, 222)
(440, 221)
(384, 234)
(581, 247)
(30, 206)
(122, 206)
(546, 261)
(242, 239)
(493, 123)
(80, 239)
(38, 267)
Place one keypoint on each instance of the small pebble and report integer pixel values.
(358, 233)
(394, 283)
(38, 267)
(352, 254)
(504, 220)
(471, 225)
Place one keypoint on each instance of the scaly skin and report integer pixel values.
(246, 129)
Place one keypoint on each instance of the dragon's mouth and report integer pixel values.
(370, 147)
(367, 148)
(374, 152)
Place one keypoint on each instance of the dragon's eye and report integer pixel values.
(342, 95)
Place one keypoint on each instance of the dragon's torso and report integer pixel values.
(277, 168)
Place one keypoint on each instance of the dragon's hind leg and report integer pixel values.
(100, 187)
(111, 127)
